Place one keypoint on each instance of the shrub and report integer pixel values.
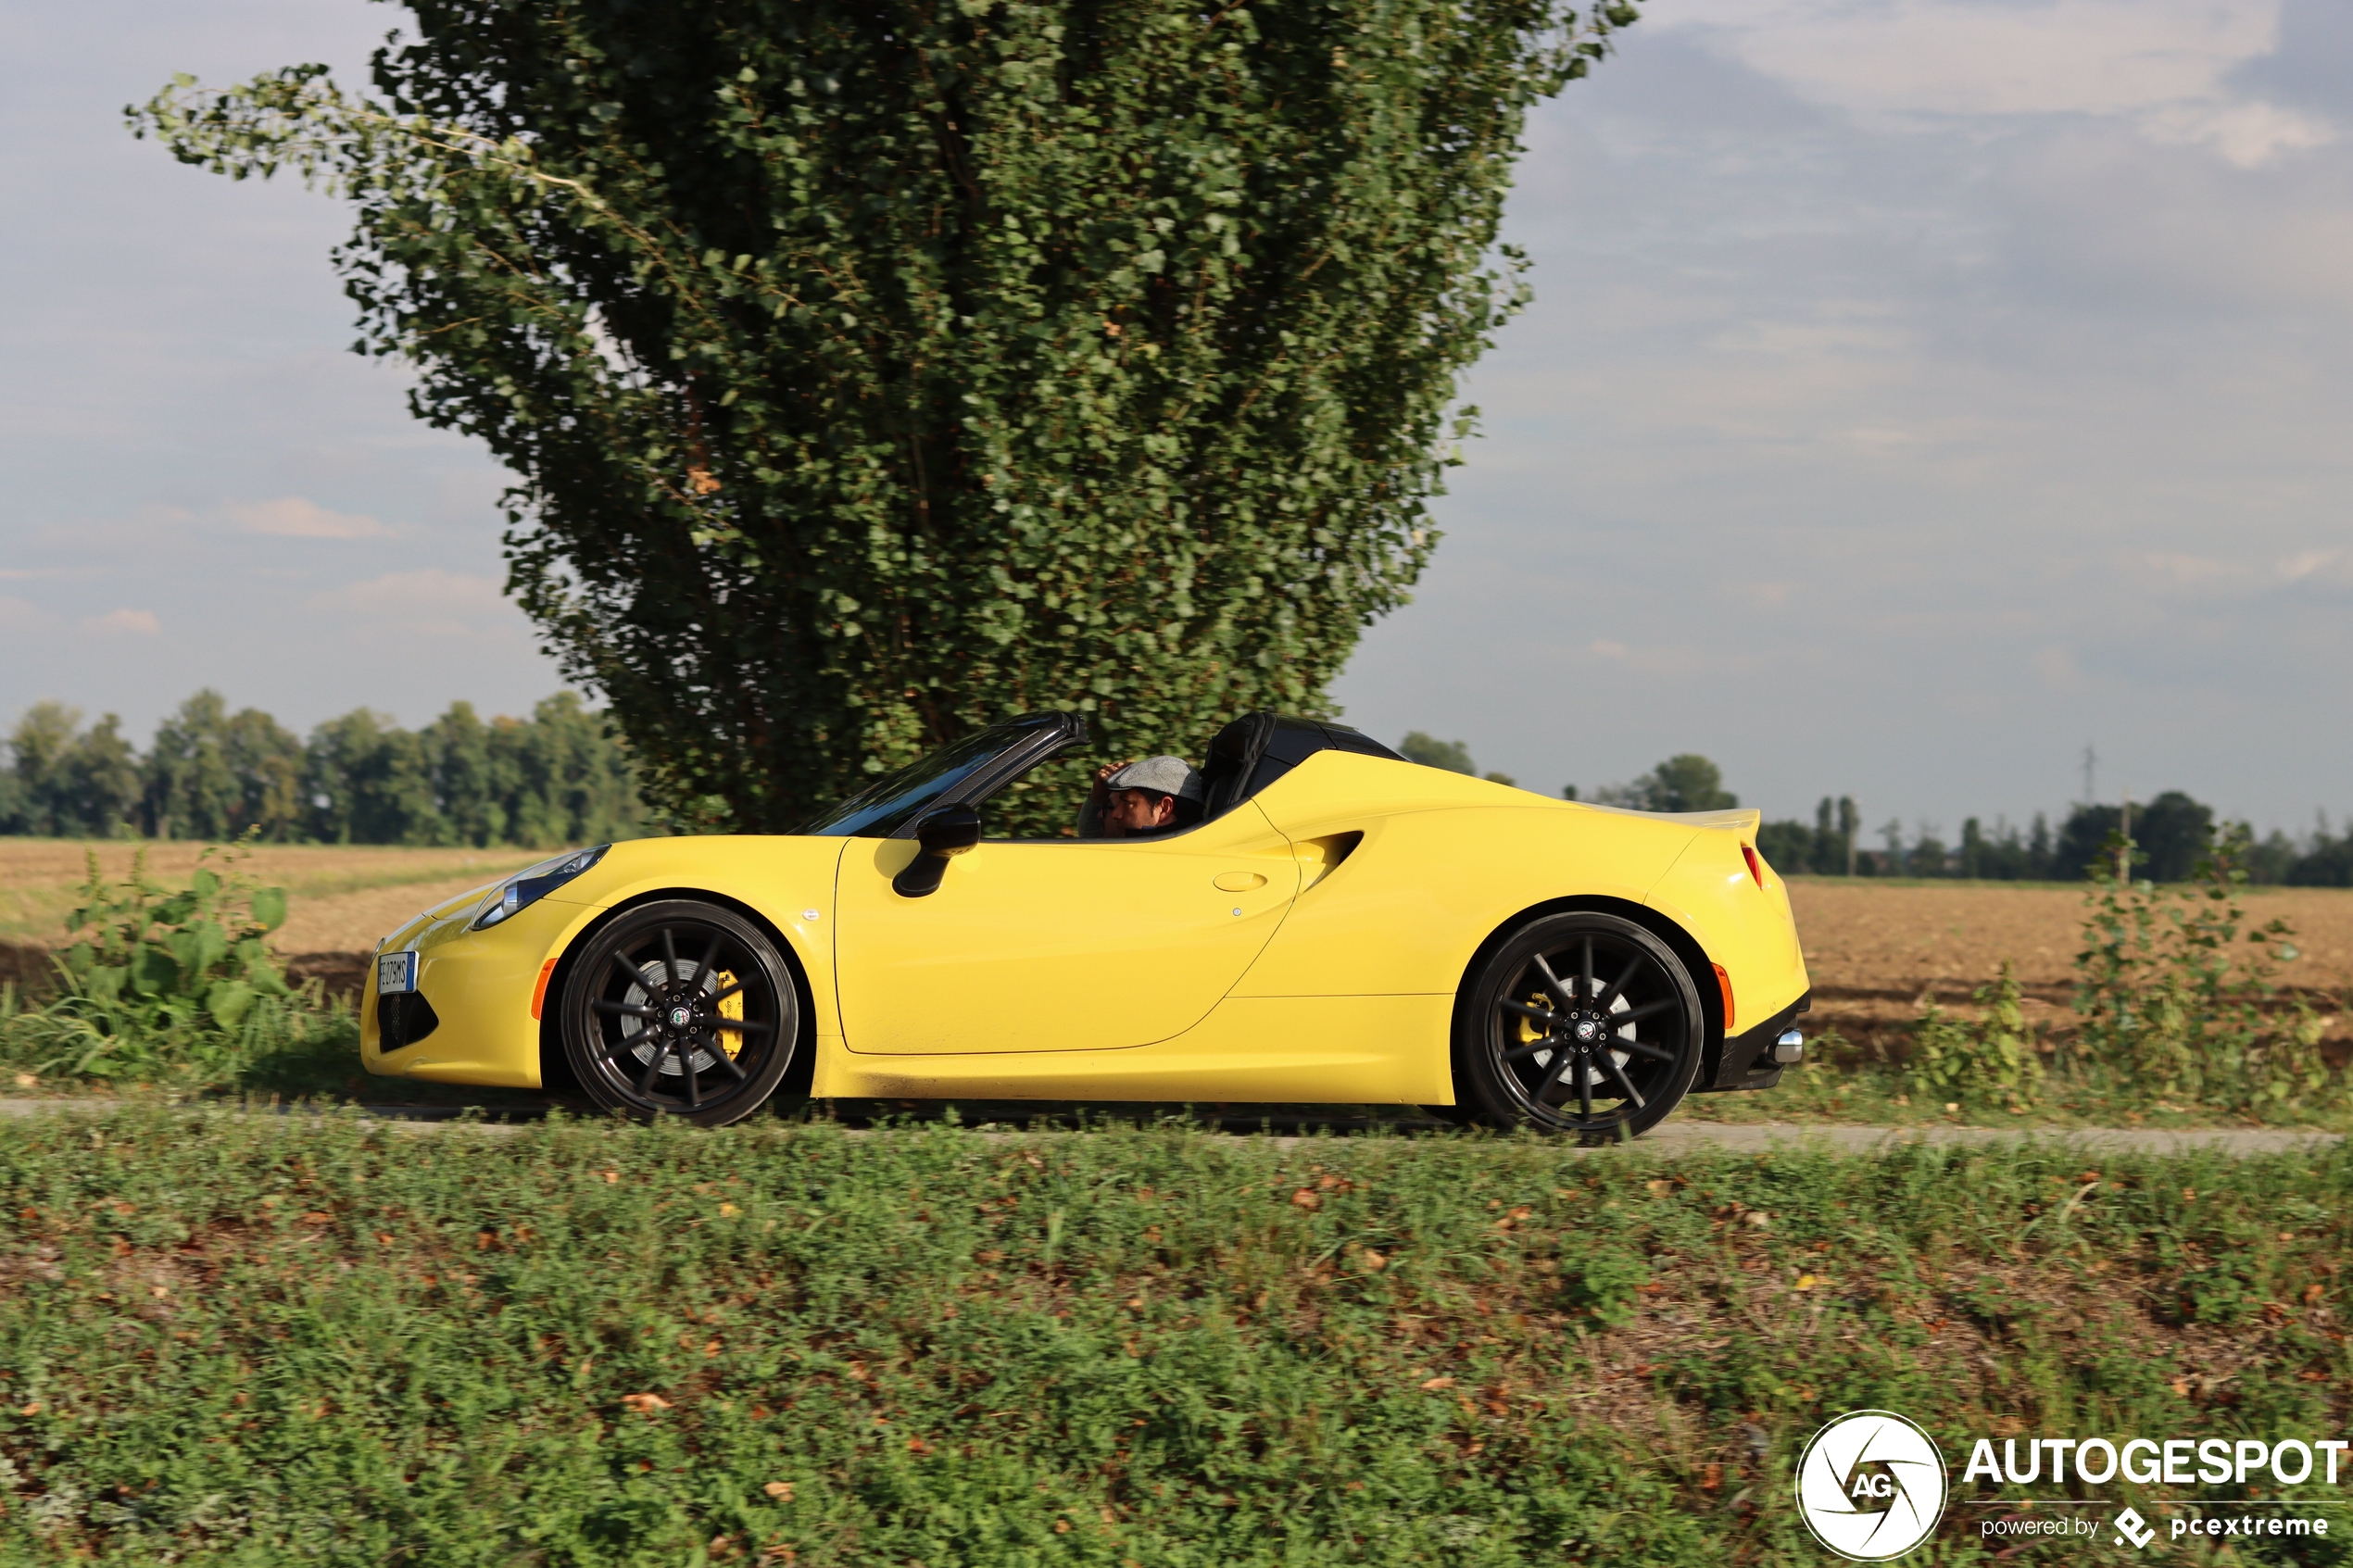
(1954, 1059)
(2174, 987)
(159, 981)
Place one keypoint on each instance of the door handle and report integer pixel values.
(1238, 881)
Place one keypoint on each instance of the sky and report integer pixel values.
(1916, 393)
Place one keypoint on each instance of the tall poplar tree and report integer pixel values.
(870, 371)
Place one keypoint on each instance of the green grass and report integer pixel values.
(305, 1046)
(1830, 1091)
(259, 1339)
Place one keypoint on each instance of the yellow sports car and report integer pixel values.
(1340, 925)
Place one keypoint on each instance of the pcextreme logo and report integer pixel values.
(1870, 1486)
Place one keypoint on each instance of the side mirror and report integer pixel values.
(944, 833)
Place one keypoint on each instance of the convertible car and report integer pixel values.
(1342, 927)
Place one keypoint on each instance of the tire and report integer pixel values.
(647, 1014)
(1581, 1024)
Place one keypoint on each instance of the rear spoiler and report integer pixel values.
(1745, 819)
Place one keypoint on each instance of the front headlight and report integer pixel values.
(534, 883)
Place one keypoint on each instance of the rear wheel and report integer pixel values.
(1582, 1024)
(682, 1008)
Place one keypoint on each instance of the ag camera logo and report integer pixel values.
(1870, 1486)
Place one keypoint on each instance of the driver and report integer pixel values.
(1137, 799)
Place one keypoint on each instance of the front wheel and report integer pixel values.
(1583, 1023)
(682, 1008)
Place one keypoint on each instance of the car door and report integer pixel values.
(1056, 945)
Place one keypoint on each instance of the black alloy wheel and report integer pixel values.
(1583, 1023)
(681, 1008)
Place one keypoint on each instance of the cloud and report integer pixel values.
(143, 622)
(2166, 66)
(432, 602)
(2246, 134)
(2188, 569)
(291, 517)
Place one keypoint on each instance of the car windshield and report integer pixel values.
(885, 805)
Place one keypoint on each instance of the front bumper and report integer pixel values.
(470, 1020)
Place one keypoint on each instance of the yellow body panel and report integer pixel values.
(480, 983)
(1355, 1050)
(1117, 969)
(1427, 883)
(1709, 889)
(1446, 861)
(1056, 945)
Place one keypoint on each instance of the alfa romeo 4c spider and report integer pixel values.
(1340, 926)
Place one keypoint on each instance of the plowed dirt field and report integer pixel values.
(341, 898)
(1874, 948)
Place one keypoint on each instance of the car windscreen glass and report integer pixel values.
(888, 804)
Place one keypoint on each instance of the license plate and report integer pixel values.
(395, 972)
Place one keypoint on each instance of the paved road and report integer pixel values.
(1862, 1140)
(1675, 1136)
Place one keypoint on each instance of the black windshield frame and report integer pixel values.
(967, 771)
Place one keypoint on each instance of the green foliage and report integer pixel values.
(152, 972)
(2171, 835)
(369, 781)
(1451, 755)
(1787, 847)
(266, 1340)
(302, 1043)
(554, 778)
(2175, 990)
(69, 782)
(1990, 1059)
(213, 775)
(1685, 782)
(871, 374)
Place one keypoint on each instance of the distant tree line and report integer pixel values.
(2170, 834)
(1689, 783)
(554, 778)
(1451, 755)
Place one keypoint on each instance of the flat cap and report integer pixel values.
(1169, 775)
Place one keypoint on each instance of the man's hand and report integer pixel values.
(1100, 791)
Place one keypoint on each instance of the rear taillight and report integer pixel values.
(1756, 866)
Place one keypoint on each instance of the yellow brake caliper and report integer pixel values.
(730, 1040)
